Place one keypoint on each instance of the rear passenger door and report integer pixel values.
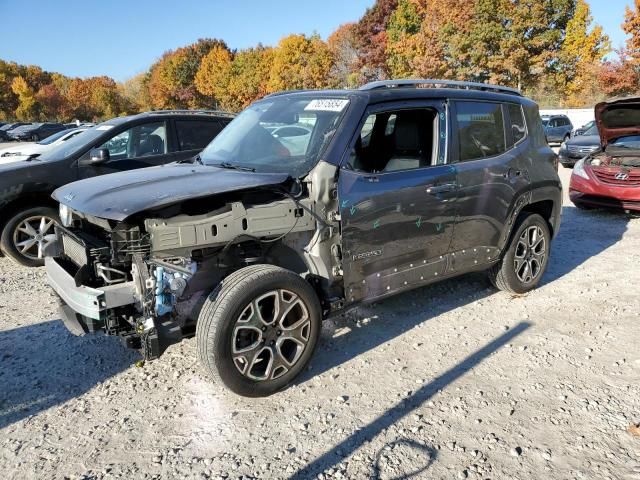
(493, 178)
(397, 200)
(192, 135)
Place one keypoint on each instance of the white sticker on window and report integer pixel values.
(327, 105)
(105, 127)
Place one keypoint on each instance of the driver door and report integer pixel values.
(397, 200)
(144, 145)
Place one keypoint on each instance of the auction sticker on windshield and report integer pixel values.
(327, 105)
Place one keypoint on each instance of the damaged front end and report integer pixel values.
(145, 279)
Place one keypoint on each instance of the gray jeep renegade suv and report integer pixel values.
(383, 189)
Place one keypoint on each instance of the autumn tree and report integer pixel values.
(172, 78)
(250, 72)
(300, 62)
(51, 102)
(370, 35)
(402, 29)
(27, 103)
(582, 50)
(621, 76)
(214, 75)
(343, 47)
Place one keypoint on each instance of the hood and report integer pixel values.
(618, 118)
(584, 141)
(22, 150)
(13, 159)
(120, 195)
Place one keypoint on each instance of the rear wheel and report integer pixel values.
(258, 329)
(27, 233)
(525, 260)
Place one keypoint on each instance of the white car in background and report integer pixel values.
(294, 137)
(26, 151)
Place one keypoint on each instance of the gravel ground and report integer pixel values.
(455, 380)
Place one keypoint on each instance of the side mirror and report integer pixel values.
(99, 155)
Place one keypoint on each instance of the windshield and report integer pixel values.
(592, 130)
(74, 144)
(279, 135)
(631, 141)
(52, 138)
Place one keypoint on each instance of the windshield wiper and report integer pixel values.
(231, 166)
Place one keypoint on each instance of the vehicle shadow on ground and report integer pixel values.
(43, 365)
(583, 234)
(405, 407)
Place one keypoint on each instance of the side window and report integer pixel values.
(140, 141)
(480, 130)
(367, 129)
(396, 140)
(518, 126)
(196, 134)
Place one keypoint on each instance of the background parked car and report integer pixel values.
(584, 128)
(36, 131)
(26, 151)
(27, 212)
(580, 146)
(5, 129)
(557, 128)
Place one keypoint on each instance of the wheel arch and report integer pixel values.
(23, 202)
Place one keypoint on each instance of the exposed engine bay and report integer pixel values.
(155, 269)
(608, 160)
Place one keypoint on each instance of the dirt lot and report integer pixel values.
(454, 380)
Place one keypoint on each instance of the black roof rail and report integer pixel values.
(284, 92)
(434, 83)
(191, 112)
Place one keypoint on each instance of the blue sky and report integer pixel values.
(121, 38)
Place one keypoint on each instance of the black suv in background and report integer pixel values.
(36, 131)
(27, 212)
(387, 188)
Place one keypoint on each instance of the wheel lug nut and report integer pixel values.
(264, 329)
(279, 332)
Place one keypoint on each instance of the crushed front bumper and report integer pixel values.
(89, 302)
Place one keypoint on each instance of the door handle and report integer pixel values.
(443, 188)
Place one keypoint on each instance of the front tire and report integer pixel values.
(258, 329)
(525, 260)
(27, 233)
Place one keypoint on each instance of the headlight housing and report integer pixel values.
(579, 170)
(66, 215)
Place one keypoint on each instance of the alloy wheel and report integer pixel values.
(32, 235)
(530, 254)
(270, 335)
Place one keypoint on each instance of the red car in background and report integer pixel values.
(611, 178)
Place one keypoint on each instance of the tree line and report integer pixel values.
(550, 49)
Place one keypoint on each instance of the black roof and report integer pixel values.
(385, 91)
(166, 113)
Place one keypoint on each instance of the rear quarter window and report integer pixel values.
(518, 124)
